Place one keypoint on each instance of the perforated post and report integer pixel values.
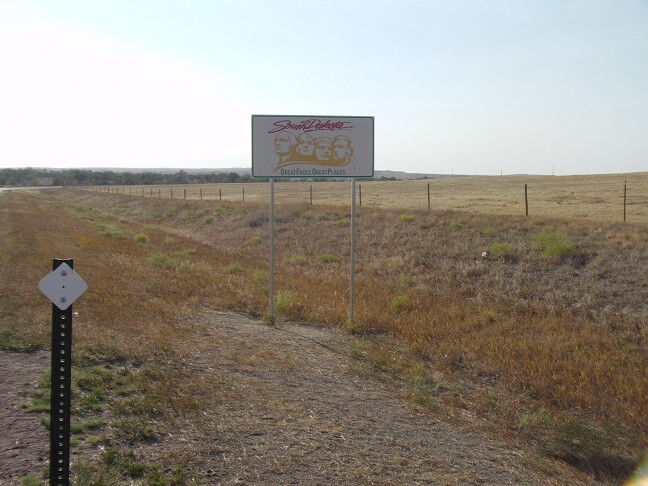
(60, 391)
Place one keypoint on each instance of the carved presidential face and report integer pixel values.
(282, 143)
(323, 149)
(341, 149)
(305, 145)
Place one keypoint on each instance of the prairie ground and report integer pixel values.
(527, 331)
(591, 197)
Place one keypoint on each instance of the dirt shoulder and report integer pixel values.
(289, 406)
(293, 409)
(24, 443)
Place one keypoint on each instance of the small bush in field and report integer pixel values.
(141, 238)
(255, 240)
(297, 259)
(406, 217)
(327, 258)
(234, 269)
(323, 217)
(400, 303)
(502, 250)
(489, 232)
(185, 252)
(457, 226)
(553, 245)
(285, 302)
(163, 261)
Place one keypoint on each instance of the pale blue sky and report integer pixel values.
(466, 87)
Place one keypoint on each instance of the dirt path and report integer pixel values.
(24, 443)
(290, 408)
(302, 414)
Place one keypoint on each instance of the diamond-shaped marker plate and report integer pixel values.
(62, 286)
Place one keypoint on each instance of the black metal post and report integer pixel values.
(60, 389)
(625, 187)
(526, 201)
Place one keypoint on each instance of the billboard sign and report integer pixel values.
(312, 146)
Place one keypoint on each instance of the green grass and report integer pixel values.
(554, 245)
(489, 232)
(322, 217)
(234, 269)
(141, 238)
(327, 258)
(297, 259)
(400, 303)
(406, 218)
(11, 341)
(30, 481)
(255, 240)
(110, 231)
(502, 250)
(163, 261)
(124, 467)
(285, 302)
(184, 253)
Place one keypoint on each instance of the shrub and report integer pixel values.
(163, 261)
(255, 240)
(185, 252)
(234, 269)
(406, 217)
(327, 258)
(457, 226)
(502, 250)
(297, 259)
(400, 303)
(141, 238)
(285, 302)
(553, 245)
(112, 232)
(489, 232)
(323, 217)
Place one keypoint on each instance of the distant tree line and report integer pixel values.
(83, 177)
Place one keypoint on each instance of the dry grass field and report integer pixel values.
(541, 342)
(592, 197)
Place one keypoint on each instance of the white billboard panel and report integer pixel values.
(312, 146)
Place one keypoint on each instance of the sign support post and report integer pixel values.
(60, 391)
(271, 307)
(352, 256)
(62, 287)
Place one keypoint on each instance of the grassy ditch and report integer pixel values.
(534, 325)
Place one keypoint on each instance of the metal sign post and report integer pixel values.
(62, 286)
(271, 308)
(352, 257)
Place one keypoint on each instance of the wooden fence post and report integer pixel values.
(428, 196)
(201, 193)
(526, 201)
(220, 194)
(311, 194)
(360, 194)
(185, 194)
